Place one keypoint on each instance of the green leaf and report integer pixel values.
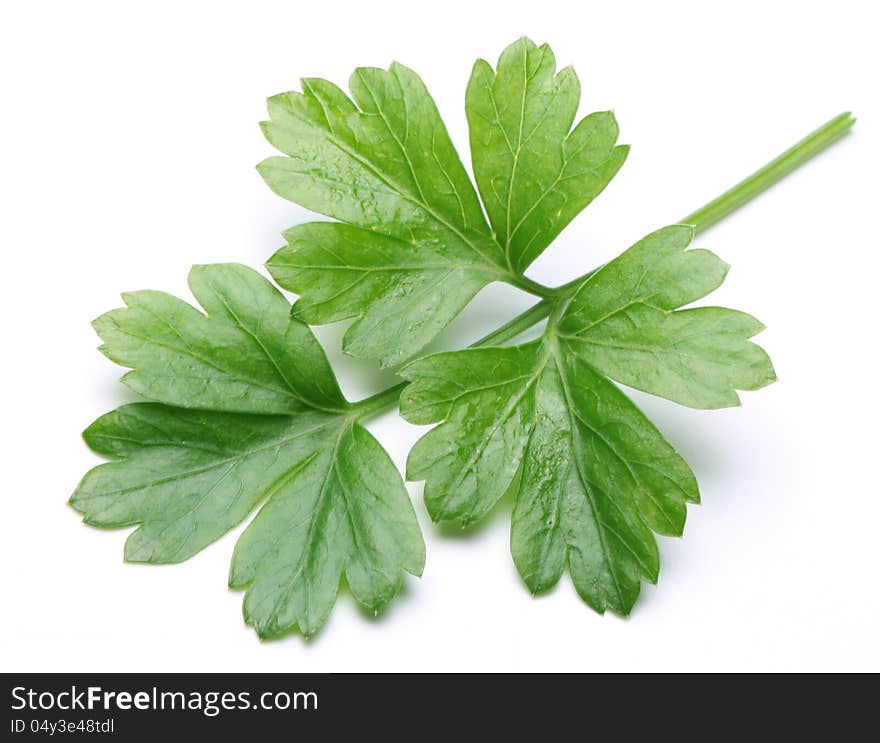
(590, 475)
(384, 164)
(698, 357)
(620, 321)
(401, 297)
(486, 400)
(244, 355)
(412, 246)
(333, 503)
(657, 270)
(535, 173)
(588, 471)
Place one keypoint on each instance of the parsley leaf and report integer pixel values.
(591, 476)
(535, 175)
(619, 321)
(244, 355)
(332, 500)
(412, 245)
(402, 295)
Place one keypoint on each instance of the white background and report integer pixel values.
(129, 138)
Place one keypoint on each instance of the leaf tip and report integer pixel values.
(100, 322)
(74, 501)
(90, 432)
(687, 233)
(396, 67)
(307, 85)
(623, 151)
(263, 167)
(482, 66)
(418, 568)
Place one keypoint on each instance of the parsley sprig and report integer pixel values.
(245, 414)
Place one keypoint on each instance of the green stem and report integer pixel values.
(703, 218)
(378, 402)
(519, 324)
(532, 287)
(774, 171)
